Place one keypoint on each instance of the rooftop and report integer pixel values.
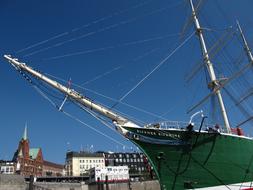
(51, 164)
(33, 152)
(83, 154)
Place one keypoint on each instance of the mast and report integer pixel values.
(246, 46)
(117, 119)
(214, 82)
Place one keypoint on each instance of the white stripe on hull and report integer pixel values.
(237, 186)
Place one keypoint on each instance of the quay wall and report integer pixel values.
(59, 186)
(145, 185)
(17, 182)
(12, 182)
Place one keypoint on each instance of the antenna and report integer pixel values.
(214, 82)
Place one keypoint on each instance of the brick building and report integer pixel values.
(29, 161)
(52, 169)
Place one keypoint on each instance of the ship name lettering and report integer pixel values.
(164, 134)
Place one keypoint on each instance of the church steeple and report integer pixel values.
(25, 137)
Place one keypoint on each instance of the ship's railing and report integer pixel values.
(177, 125)
(173, 124)
(168, 124)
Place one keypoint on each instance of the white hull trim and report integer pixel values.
(237, 186)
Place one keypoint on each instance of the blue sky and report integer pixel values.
(95, 37)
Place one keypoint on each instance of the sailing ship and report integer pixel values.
(184, 156)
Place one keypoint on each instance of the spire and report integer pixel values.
(25, 132)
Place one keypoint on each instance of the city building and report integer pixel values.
(79, 163)
(52, 169)
(29, 161)
(7, 167)
(137, 163)
(109, 174)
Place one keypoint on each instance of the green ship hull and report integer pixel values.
(190, 159)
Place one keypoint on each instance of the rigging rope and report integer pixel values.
(104, 122)
(117, 13)
(157, 67)
(109, 98)
(233, 75)
(57, 107)
(90, 127)
(101, 75)
(230, 59)
(73, 117)
(112, 99)
(221, 43)
(133, 61)
(96, 116)
(112, 47)
(103, 29)
(118, 67)
(242, 83)
(42, 42)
